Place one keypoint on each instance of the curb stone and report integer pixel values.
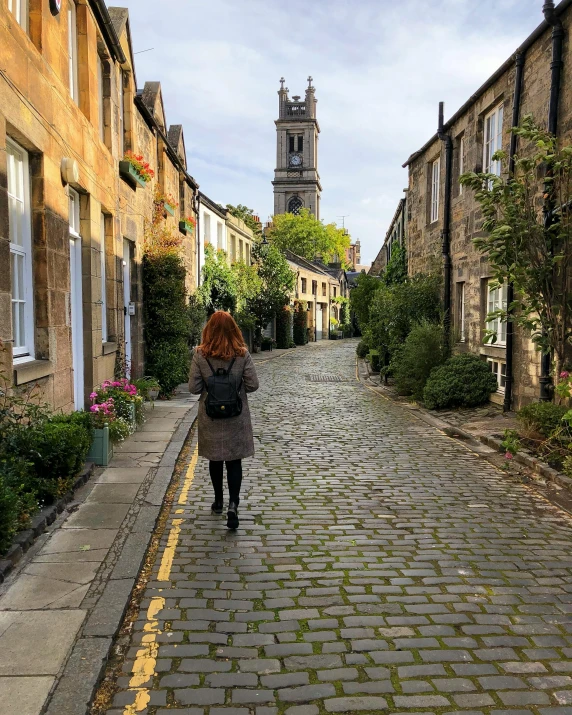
(24, 539)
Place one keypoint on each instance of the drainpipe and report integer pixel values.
(556, 72)
(518, 81)
(198, 238)
(446, 230)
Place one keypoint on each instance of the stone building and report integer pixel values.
(396, 234)
(316, 285)
(296, 179)
(440, 228)
(240, 240)
(71, 218)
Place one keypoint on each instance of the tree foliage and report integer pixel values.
(527, 232)
(396, 269)
(247, 215)
(306, 236)
(218, 289)
(361, 297)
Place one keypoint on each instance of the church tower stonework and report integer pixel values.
(296, 179)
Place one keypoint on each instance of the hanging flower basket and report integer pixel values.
(187, 225)
(101, 450)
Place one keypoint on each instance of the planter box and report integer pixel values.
(183, 227)
(130, 175)
(169, 209)
(101, 450)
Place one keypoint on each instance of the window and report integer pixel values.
(121, 114)
(103, 287)
(335, 291)
(435, 176)
(72, 50)
(19, 8)
(493, 140)
(240, 250)
(100, 75)
(74, 213)
(207, 227)
(461, 161)
(248, 254)
(294, 205)
(232, 247)
(497, 300)
(323, 289)
(300, 143)
(20, 233)
(304, 285)
(461, 311)
(498, 368)
(219, 235)
(314, 287)
(291, 144)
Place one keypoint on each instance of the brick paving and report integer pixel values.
(379, 566)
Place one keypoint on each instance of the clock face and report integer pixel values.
(295, 160)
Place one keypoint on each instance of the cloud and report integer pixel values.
(379, 67)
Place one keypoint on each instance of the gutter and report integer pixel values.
(509, 378)
(102, 14)
(151, 121)
(446, 230)
(531, 39)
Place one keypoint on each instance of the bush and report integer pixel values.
(374, 360)
(300, 323)
(81, 418)
(422, 351)
(283, 328)
(463, 381)
(542, 417)
(9, 514)
(362, 349)
(197, 319)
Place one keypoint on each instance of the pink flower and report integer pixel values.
(508, 455)
(93, 395)
(564, 374)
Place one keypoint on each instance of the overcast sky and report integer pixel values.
(380, 68)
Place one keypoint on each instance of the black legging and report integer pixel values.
(233, 476)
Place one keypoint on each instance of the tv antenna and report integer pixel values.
(142, 51)
(344, 219)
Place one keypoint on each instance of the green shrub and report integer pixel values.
(422, 351)
(362, 349)
(81, 418)
(374, 360)
(197, 319)
(300, 323)
(9, 514)
(463, 381)
(169, 362)
(283, 328)
(542, 417)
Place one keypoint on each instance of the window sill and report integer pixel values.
(32, 370)
(494, 351)
(108, 348)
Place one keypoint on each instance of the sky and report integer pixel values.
(380, 68)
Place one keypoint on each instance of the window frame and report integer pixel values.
(304, 285)
(461, 162)
(435, 189)
(497, 299)
(25, 351)
(121, 113)
(219, 235)
(324, 290)
(100, 76)
(104, 331)
(206, 227)
(497, 366)
(73, 51)
(20, 10)
(461, 311)
(492, 144)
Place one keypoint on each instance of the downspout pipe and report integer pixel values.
(518, 82)
(446, 230)
(556, 74)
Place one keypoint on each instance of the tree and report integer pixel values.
(218, 289)
(527, 232)
(247, 215)
(361, 297)
(305, 236)
(396, 269)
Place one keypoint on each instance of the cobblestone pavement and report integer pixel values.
(379, 566)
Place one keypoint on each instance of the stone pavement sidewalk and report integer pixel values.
(61, 608)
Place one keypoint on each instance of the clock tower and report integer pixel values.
(296, 179)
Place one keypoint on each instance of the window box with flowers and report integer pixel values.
(165, 203)
(187, 225)
(135, 171)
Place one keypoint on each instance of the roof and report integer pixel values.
(107, 26)
(530, 40)
(212, 205)
(306, 264)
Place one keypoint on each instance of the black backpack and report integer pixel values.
(223, 393)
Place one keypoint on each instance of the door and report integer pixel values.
(126, 303)
(319, 322)
(76, 303)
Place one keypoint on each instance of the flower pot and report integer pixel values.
(130, 175)
(153, 394)
(101, 450)
(169, 209)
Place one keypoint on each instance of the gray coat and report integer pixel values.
(224, 440)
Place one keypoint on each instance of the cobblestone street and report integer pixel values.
(379, 566)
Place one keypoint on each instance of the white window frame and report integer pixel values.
(100, 70)
(21, 252)
(497, 299)
(72, 51)
(493, 140)
(219, 235)
(462, 305)
(461, 161)
(435, 187)
(103, 281)
(498, 368)
(19, 8)
(73, 202)
(206, 227)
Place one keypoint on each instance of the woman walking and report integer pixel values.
(223, 372)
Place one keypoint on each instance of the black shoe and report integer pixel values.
(232, 516)
(217, 506)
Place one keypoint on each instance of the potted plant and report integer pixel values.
(267, 344)
(101, 450)
(135, 171)
(148, 387)
(187, 225)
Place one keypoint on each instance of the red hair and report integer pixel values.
(222, 337)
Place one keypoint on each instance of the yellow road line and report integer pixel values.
(144, 667)
(190, 475)
(169, 555)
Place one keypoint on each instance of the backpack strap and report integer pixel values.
(230, 366)
(211, 367)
